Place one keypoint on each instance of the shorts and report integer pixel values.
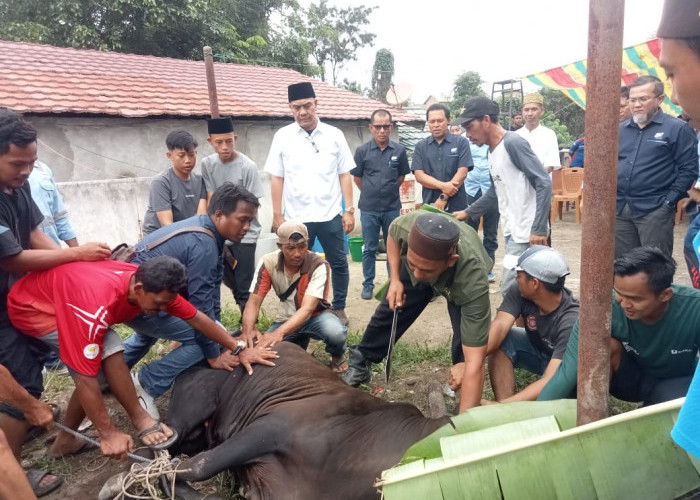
(522, 353)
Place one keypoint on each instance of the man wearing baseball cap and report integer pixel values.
(428, 253)
(521, 188)
(679, 32)
(549, 311)
(300, 279)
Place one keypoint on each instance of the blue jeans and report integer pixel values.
(157, 376)
(490, 226)
(332, 238)
(522, 353)
(372, 222)
(325, 327)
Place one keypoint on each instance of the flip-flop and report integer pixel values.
(34, 476)
(158, 427)
(36, 431)
(84, 448)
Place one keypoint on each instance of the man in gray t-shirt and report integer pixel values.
(177, 193)
(549, 311)
(229, 165)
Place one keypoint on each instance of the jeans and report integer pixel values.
(332, 238)
(690, 253)
(325, 327)
(490, 226)
(652, 229)
(157, 376)
(372, 222)
(523, 353)
(510, 259)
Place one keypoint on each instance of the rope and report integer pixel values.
(145, 479)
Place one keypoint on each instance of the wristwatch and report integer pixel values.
(443, 197)
(240, 345)
(350, 210)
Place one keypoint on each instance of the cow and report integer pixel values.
(295, 431)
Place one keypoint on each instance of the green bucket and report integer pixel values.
(356, 248)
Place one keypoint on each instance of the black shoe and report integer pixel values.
(358, 372)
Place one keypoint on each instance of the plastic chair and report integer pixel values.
(557, 181)
(572, 183)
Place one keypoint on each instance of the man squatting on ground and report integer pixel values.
(521, 187)
(300, 279)
(427, 254)
(198, 244)
(679, 32)
(549, 311)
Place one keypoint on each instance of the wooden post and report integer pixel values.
(211, 82)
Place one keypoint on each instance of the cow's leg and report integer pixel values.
(262, 437)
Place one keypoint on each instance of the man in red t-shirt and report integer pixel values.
(71, 307)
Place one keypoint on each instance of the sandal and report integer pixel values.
(34, 476)
(337, 366)
(158, 427)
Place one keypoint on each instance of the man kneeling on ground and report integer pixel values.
(549, 312)
(71, 308)
(655, 333)
(300, 279)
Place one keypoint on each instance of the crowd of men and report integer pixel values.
(201, 231)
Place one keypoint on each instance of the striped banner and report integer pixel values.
(642, 59)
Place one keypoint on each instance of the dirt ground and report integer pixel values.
(85, 474)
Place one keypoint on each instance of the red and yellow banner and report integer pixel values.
(642, 59)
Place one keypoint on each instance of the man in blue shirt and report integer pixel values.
(231, 209)
(657, 164)
(441, 163)
(381, 167)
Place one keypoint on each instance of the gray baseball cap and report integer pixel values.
(543, 263)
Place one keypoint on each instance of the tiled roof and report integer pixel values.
(44, 79)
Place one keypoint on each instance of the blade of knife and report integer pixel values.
(392, 340)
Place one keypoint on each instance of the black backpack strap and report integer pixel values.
(189, 229)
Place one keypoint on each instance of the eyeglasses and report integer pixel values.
(381, 127)
(313, 144)
(641, 100)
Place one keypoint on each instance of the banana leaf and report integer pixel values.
(540, 456)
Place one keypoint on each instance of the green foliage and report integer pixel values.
(566, 112)
(467, 85)
(551, 121)
(333, 34)
(382, 74)
(353, 86)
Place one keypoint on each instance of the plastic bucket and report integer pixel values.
(356, 249)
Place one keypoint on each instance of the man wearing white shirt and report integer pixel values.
(543, 140)
(309, 165)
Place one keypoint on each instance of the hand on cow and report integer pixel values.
(252, 338)
(225, 361)
(270, 339)
(259, 355)
(395, 294)
(116, 444)
(456, 375)
(92, 251)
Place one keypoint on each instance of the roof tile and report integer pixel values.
(45, 79)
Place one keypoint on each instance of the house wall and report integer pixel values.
(103, 165)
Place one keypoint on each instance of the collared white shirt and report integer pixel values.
(544, 144)
(310, 165)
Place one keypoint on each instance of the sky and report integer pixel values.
(435, 41)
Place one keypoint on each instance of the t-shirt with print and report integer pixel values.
(312, 275)
(19, 215)
(81, 300)
(241, 171)
(168, 192)
(549, 333)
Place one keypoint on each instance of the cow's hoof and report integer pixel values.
(112, 487)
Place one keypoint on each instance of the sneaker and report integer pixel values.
(358, 372)
(340, 313)
(492, 277)
(145, 399)
(367, 292)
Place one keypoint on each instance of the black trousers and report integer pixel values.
(375, 341)
(239, 279)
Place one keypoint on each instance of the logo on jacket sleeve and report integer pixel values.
(91, 351)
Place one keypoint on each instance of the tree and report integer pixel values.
(567, 111)
(333, 34)
(353, 86)
(467, 85)
(382, 74)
